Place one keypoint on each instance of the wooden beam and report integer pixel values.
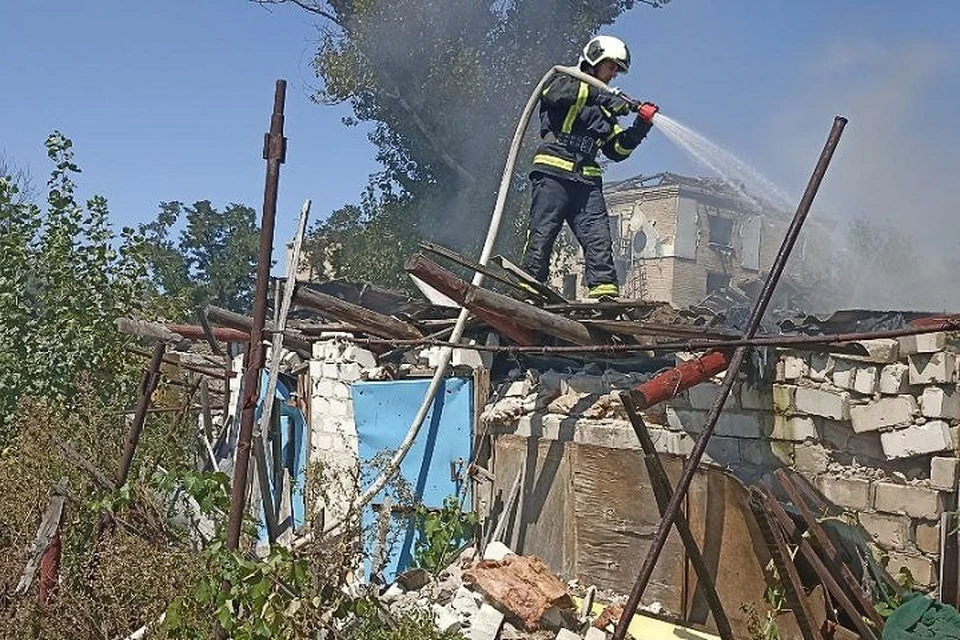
(530, 316)
(833, 561)
(793, 533)
(46, 533)
(793, 591)
(662, 491)
(148, 385)
(227, 318)
(457, 289)
(146, 329)
(364, 319)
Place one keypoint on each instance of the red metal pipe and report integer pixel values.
(668, 384)
(50, 569)
(194, 332)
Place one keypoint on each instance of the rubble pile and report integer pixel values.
(504, 596)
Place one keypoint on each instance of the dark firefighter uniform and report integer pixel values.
(577, 121)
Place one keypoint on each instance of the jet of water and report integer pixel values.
(749, 183)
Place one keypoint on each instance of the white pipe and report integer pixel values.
(390, 470)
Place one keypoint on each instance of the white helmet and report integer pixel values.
(603, 48)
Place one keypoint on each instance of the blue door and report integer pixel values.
(435, 466)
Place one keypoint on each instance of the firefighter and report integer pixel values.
(577, 121)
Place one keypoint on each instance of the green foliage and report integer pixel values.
(764, 626)
(442, 83)
(212, 260)
(64, 279)
(442, 532)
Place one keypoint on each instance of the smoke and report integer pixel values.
(466, 69)
(895, 168)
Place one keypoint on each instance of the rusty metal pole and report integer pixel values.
(274, 152)
(147, 386)
(690, 468)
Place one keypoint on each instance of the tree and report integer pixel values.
(64, 279)
(213, 260)
(19, 178)
(443, 83)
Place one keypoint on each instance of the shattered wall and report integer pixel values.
(875, 434)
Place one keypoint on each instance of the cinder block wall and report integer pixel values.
(876, 434)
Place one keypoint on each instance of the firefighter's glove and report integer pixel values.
(613, 103)
(646, 111)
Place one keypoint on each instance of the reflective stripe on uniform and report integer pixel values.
(582, 93)
(566, 165)
(621, 150)
(617, 129)
(592, 172)
(553, 161)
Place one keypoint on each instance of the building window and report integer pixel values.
(717, 281)
(721, 231)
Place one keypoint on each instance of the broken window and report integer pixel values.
(717, 281)
(721, 230)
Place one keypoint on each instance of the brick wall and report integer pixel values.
(875, 434)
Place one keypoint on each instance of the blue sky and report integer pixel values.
(169, 100)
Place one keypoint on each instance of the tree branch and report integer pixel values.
(424, 130)
(313, 6)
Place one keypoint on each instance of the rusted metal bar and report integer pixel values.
(457, 289)
(662, 490)
(794, 534)
(785, 341)
(363, 319)
(833, 561)
(700, 446)
(147, 387)
(677, 331)
(225, 334)
(274, 151)
(789, 578)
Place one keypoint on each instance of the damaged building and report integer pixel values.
(829, 479)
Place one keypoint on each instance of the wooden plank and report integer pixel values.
(662, 491)
(794, 534)
(789, 578)
(832, 556)
(615, 519)
(529, 316)
(147, 386)
(146, 329)
(363, 319)
(45, 535)
(543, 290)
(498, 273)
(457, 289)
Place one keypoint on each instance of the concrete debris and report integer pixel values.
(513, 598)
(524, 588)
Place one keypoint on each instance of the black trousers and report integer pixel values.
(581, 205)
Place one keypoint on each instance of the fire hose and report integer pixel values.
(393, 466)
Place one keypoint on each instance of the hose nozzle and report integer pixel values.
(647, 110)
